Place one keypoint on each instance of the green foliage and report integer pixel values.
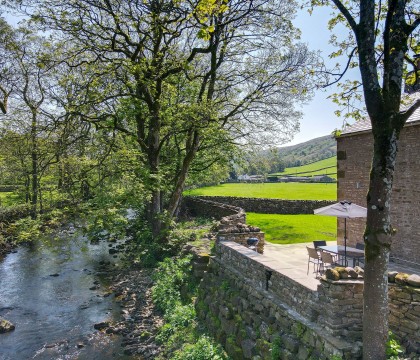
(286, 191)
(169, 277)
(204, 349)
(26, 229)
(180, 334)
(225, 286)
(393, 347)
(147, 251)
(276, 348)
(291, 229)
(9, 198)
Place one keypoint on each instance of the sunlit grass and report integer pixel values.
(322, 167)
(291, 229)
(8, 199)
(286, 191)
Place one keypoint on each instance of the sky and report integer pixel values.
(318, 115)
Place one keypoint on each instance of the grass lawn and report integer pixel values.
(285, 191)
(291, 229)
(8, 199)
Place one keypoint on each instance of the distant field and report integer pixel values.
(285, 191)
(326, 166)
(8, 198)
(291, 229)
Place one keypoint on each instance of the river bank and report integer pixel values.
(140, 321)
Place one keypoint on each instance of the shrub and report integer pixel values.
(170, 276)
(393, 348)
(203, 349)
(180, 333)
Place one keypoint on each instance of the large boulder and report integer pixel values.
(6, 326)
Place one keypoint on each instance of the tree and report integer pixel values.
(383, 34)
(7, 74)
(182, 78)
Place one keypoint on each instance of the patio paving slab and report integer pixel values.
(292, 261)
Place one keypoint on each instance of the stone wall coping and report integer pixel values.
(267, 262)
(342, 281)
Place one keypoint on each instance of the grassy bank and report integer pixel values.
(291, 229)
(286, 191)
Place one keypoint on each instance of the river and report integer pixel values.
(54, 291)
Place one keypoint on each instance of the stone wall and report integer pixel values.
(404, 318)
(253, 309)
(354, 155)
(196, 206)
(268, 206)
(232, 225)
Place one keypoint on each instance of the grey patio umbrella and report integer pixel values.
(343, 209)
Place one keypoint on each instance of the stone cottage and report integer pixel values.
(354, 154)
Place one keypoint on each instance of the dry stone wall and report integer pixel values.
(255, 310)
(268, 206)
(232, 225)
(404, 318)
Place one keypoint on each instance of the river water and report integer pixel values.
(54, 291)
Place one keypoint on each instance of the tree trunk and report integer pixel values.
(154, 206)
(179, 187)
(34, 163)
(378, 237)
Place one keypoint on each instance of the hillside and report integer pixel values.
(322, 167)
(308, 152)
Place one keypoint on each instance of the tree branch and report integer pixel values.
(405, 115)
(346, 14)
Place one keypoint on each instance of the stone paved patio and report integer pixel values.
(292, 260)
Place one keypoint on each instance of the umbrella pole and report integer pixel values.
(345, 241)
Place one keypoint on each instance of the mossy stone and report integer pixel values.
(332, 274)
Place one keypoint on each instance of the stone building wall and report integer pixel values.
(354, 154)
(268, 206)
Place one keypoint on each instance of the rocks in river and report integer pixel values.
(6, 326)
(55, 274)
(113, 251)
(102, 325)
(140, 321)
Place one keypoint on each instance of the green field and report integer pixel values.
(8, 199)
(285, 191)
(316, 168)
(291, 229)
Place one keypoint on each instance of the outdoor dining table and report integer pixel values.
(340, 250)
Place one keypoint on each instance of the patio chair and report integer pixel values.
(360, 246)
(360, 262)
(314, 259)
(318, 243)
(327, 261)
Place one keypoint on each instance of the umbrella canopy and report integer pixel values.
(343, 209)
